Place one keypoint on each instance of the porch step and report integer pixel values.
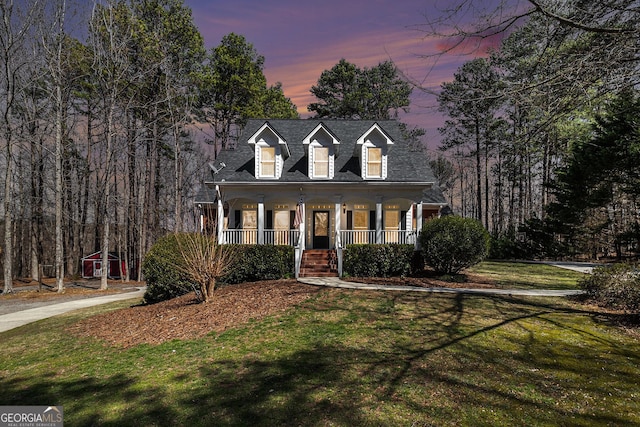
(319, 263)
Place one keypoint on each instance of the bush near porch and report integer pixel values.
(451, 244)
(387, 260)
(164, 272)
(261, 262)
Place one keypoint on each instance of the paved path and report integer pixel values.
(20, 318)
(337, 283)
(582, 267)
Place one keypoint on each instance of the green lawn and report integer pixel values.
(520, 275)
(345, 358)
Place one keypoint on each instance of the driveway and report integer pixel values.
(23, 317)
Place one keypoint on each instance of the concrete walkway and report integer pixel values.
(20, 318)
(335, 282)
(582, 267)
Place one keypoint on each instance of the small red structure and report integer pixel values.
(92, 266)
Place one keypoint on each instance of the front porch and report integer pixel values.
(316, 223)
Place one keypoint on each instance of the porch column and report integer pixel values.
(220, 218)
(379, 238)
(338, 221)
(418, 224)
(303, 224)
(261, 219)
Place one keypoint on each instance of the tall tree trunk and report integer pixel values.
(478, 173)
(59, 263)
(107, 192)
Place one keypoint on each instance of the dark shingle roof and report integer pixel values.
(434, 196)
(403, 164)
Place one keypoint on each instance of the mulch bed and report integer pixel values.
(186, 318)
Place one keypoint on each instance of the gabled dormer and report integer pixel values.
(372, 149)
(321, 147)
(270, 152)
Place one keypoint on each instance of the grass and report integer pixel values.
(345, 358)
(518, 275)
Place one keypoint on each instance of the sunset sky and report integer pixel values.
(299, 39)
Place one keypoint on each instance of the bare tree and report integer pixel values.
(53, 43)
(205, 261)
(111, 31)
(16, 25)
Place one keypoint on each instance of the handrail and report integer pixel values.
(339, 249)
(299, 249)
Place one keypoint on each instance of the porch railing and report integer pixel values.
(291, 237)
(241, 237)
(281, 237)
(271, 237)
(350, 237)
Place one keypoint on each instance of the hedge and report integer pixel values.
(261, 262)
(163, 267)
(385, 260)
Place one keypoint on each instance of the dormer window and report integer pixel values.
(268, 162)
(320, 162)
(322, 149)
(372, 148)
(374, 162)
(270, 150)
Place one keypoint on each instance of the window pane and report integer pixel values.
(268, 169)
(281, 220)
(374, 162)
(321, 161)
(268, 154)
(268, 161)
(374, 170)
(321, 153)
(321, 224)
(391, 220)
(250, 220)
(361, 220)
(321, 169)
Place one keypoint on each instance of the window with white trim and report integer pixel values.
(268, 161)
(374, 162)
(321, 162)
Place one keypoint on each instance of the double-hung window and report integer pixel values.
(374, 162)
(268, 161)
(321, 162)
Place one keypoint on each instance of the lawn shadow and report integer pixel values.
(86, 401)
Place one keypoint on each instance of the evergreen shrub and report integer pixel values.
(163, 270)
(261, 262)
(451, 244)
(387, 260)
(616, 286)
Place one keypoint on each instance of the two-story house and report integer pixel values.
(319, 184)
